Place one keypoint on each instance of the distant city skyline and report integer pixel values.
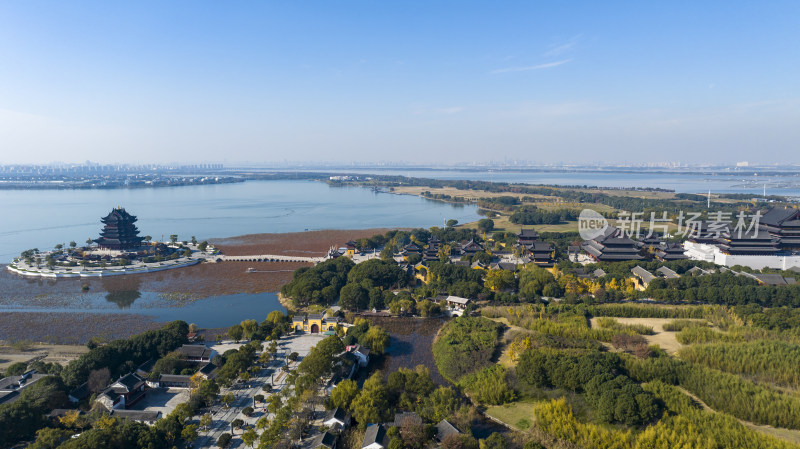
(369, 82)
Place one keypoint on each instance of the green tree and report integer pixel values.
(235, 332)
(497, 280)
(494, 441)
(274, 404)
(249, 437)
(372, 404)
(451, 222)
(275, 317)
(440, 404)
(486, 224)
(173, 238)
(249, 327)
(343, 394)
(206, 420)
(16, 368)
(224, 440)
(49, 438)
(444, 253)
(353, 297)
(227, 399)
(189, 433)
(377, 339)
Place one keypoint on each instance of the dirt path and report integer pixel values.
(664, 339)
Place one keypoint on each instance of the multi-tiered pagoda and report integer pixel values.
(540, 253)
(119, 231)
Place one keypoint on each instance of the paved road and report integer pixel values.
(222, 417)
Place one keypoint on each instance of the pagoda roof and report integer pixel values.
(778, 215)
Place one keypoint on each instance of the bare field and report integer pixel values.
(71, 328)
(47, 352)
(310, 243)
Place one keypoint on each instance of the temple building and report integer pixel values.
(754, 243)
(783, 224)
(527, 236)
(670, 251)
(540, 253)
(431, 253)
(119, 231)
(774, 245)
(471, 247)
(612, 246)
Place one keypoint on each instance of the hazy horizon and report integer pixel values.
(261, 83)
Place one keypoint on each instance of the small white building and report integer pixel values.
(336, 418)
(457, 302)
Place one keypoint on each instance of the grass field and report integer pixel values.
(516, 414)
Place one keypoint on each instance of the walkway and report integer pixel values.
(244, 392)
(272, 258)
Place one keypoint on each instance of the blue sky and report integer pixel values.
(441, 81)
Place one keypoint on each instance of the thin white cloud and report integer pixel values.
(426, 110)
(559, 49)
(450, 110)
(548, 65)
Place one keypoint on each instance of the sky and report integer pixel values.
(422, 82)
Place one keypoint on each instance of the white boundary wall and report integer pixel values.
(710, 253)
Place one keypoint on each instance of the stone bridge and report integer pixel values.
(272, 258)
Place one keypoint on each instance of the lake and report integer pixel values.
(43, 218)
(211, 312)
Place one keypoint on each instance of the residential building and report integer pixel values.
(444, 429)
(375, 437)
(197, 353)
(336, 418)
(123, 393)
(326, 440)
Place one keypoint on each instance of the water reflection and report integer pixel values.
(125, 297)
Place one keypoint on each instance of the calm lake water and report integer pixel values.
(43, 218)
(212, 312)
